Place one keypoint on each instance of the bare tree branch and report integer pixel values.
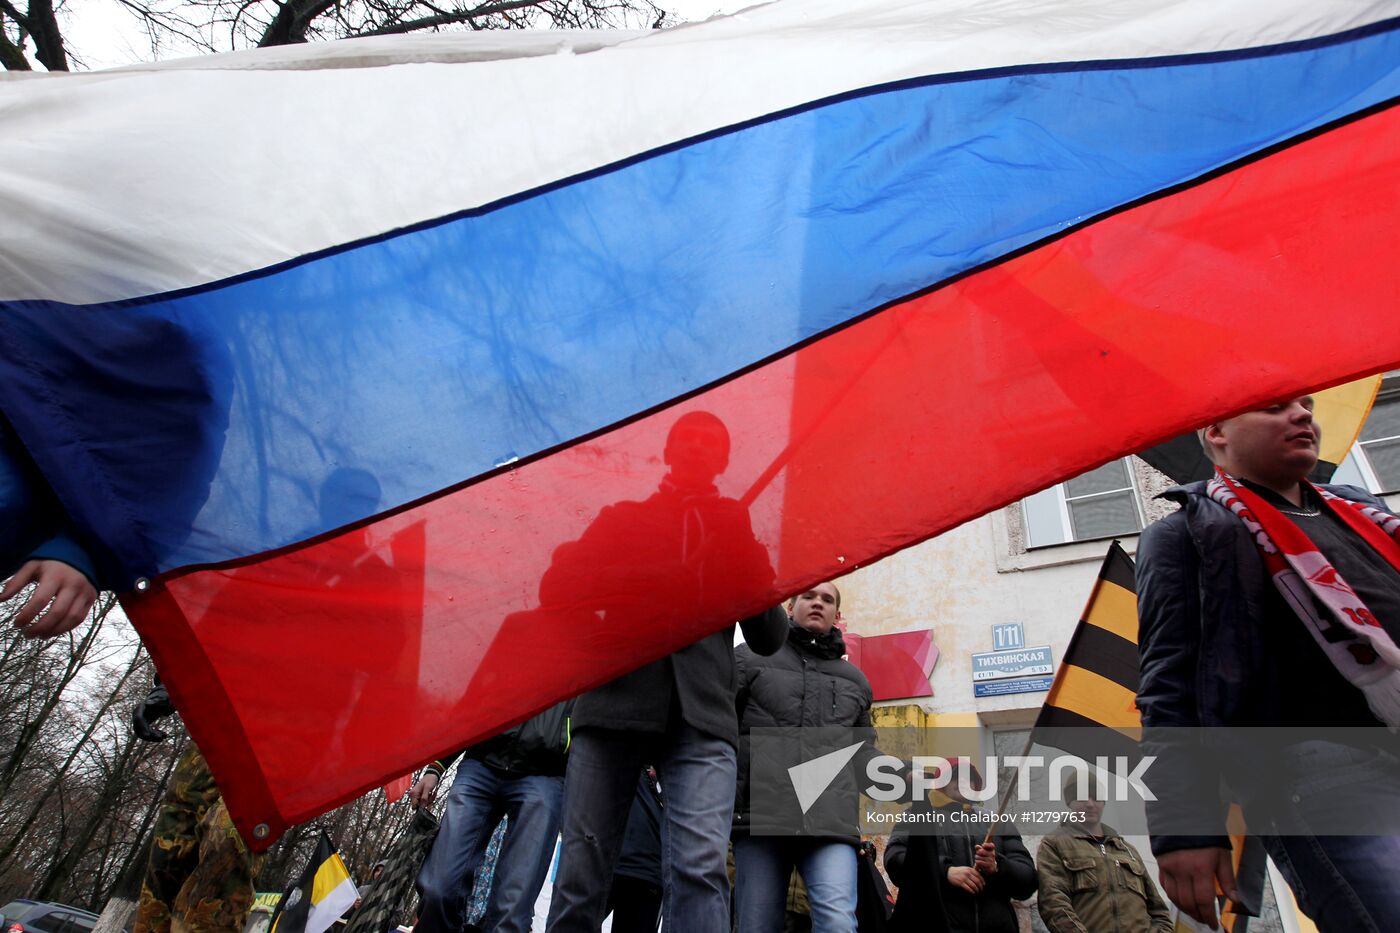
(11, 56)
(20, 19)
(48, 38)
(447, 19)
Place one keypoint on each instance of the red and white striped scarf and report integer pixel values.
(1350, 635)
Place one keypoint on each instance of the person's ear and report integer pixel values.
(1214, 436)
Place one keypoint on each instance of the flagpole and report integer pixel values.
(1015, 782)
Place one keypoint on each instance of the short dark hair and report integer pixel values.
(792, 600)
(1094, 789)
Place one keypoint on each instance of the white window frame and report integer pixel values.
(1363, 460)
(1066, 523)
(1356, 457)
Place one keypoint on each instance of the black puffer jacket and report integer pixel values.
(806, 683)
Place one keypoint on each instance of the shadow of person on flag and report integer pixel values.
(313, 605)
(660, 580)
(685, 543)
(667, 569)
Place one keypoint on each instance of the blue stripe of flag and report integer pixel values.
(429, 357)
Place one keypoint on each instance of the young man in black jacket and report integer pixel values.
(676, 713)
(954, 881)
(1271, 603)
(807, 683)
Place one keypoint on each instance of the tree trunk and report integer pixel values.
(119, 911)
(38, 807)
(118, 779)
(48, 38)
(134, 868)
(30, 732)
(11, 57)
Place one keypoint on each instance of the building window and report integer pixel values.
(1099, 504)
(1374, 461)
(1380, 442)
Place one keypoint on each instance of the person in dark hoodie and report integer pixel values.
(955, 881)
(806, 683)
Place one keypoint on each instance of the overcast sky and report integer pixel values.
(102, 34)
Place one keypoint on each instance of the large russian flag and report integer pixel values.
(364, 358)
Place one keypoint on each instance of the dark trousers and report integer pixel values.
(635, 905)
(697, 773)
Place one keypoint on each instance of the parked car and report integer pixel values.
(26, 916)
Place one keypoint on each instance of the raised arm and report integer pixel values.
(766, 631)
(37, 547)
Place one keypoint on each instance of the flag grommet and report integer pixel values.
(260, 831)
(142, 584)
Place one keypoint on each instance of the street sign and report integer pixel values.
(1008, 635)
(996, 688)
(1003, 665)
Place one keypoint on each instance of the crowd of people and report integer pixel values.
(1264, 601)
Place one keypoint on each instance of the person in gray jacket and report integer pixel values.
(807, 682)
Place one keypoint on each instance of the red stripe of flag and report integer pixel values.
(312, 676)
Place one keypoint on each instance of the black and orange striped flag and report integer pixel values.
(1091, 709)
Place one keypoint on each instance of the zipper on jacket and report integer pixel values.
(1109, 866)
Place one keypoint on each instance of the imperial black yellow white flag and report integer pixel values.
(322, 895)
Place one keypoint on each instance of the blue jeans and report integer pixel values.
(1351, 883)
(697, 774)
(480, 796)
(762, 867)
